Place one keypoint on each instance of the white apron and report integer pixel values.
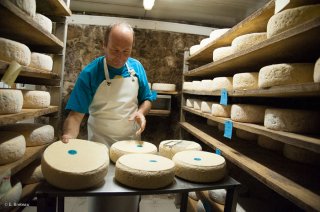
(115, 100)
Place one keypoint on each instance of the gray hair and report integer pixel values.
(110, 27)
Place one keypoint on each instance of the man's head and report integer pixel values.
(118, 40)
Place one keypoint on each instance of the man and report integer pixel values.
(114, 90)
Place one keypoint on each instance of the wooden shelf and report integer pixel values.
(18, 26)
(53, 8)
(303, 141)
(297, 90)
(297, 44)
(261, 164)
(159, 112)
(26, 114)
(166, 92)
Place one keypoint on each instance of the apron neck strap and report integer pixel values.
(106, 71)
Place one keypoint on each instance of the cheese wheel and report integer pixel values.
(222, 82)
(215, 34)
(36, 99)
(31, 174)
(300, 155)
(248, 40)
(35, 134)
(187, 86)
(269, 143)
(12, 147)
(207, 85)
(285, 74)
(290, 18)
(193, 195)
(11, 197)
(41, 61)
(189, 103)
(221, 110)
(163, 87)
(28, 6)
(316, 72)
(245, 81)
(14, 51)
(222, 52)
(169, 148)
(212, 123)
(218, 195)
(196, 85)
(245, 135)
(200, 206)
(144, 171)
(79, 164)
(44, 22)
(206, 107)
(11, 101)
(130, 147)
(248, 113)
(205, 42)
(194, 49)
(197, 104)
(290, 120)
(199, 166)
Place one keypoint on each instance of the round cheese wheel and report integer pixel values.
(199, 166)
(169, 148)
(197, 104)
(206, 107)
(215, 34)
(200, 206)
(205, 42)
(196, 85)
(41, 61)
(11, 197)
(246, 80)
(221, 110)
(222, 52)
(28, 6)
(248, 40)
(247, 113)
(36, 99)
(290, 120)
(193, 196)
(31, 174)
(290, 18)
(316, 72)
(212, 123)
(218, 195)
(187, 86)
(129, 147)
(189, 103)
(222, 82)
(144, 171)
(35, 134)
(44, 22)
(285, 74)
(245, 135)
(194, 49)
(207, 85)
(12, 147)
(11, 101)
(79, 164)
(163, 87)
(269, 143)
(300, 155)
(14, 51)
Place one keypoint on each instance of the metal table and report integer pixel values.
(110, 187)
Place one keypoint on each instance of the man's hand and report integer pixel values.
(65, 138)
(140, 119)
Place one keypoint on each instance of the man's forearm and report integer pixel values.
(71, 126)
(145, 107)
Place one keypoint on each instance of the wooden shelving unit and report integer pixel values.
(159, 113)
(53, 8)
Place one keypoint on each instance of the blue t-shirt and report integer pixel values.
(93, 75)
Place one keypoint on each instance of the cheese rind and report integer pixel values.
(207, 85)
(269, 143)
(218, 195)
(189, 103)
(41, 61)
(28, 6)
(193, 195)
(205, 42)
(247, 113)
(11, 50)
(221, 110)
(316, 72)
(11, 101)
(169, 148)
(222, 82)
(245, 80)
(187, 86)
(197, 104)
(163, 87)
(206, 106)
(300, 155)
(215, 34)
(36, 99)
(194, 49)
(222, 52)
(196, 85)
(248, 40)
(12, 147)
(43, 21)
(31, 174)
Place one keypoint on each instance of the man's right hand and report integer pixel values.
(65, 138)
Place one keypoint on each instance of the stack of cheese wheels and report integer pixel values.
(163, 87)
(222, 82)
(285, 74)
(194, 49)
(316, 73)
(222, 52)
(215, 34)
(199, 166)
(248, 40)
(290, 18)
(269, 143)
(79, 164)
(144, 171)
(12, 147)
(301, 155)
(44, 22)
(169, 148)
(28, 6)
(245, 135)
(247, 113)
(31, 174)
(197, 104)
(189, 103)
(187, 86)
(290, 120)
(220, 110)
(11, 197)
(11, 101)
(207, 85)
(35, 134)
(36, 99)
(41, 61)
(14, 51)
(206, 106)
(130, 147)
(218, 195)
(245, 80)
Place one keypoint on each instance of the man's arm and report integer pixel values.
(139, 116)
(71, 126)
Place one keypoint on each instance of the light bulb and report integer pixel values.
(148, 4)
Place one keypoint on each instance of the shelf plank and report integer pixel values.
(299, 195)
(296, 90)
(257, 22)
(159, 112)
(26, 114)
(18, 26)
(53, 8)
(302, 141)
(166, 92)
(297, 44)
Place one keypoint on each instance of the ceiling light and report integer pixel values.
(148, 4)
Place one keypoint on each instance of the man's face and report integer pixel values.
(119, 47)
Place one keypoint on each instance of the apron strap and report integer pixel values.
(106, 71)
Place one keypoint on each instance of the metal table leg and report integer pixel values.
(184, 202)
(60, 204)
(46, 204)
(231, 200)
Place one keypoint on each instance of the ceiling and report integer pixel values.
(213, 13)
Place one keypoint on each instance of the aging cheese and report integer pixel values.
(222, 82)
(269, 143)
(169, 148)
(194, 49)
(200, 206)
(197, 104)
(245, 41)
(205, 42)
(41, 61)
(316, 73)
(247, 113)
(31, 174)
(193, 195)
(221, 110)
(36, 99)
(290, 120)
(245, 81)
(245, 135)
(28, 6)
(199, 166)
(290, 18)
(285, 74)
(44, 22)
(215, 34)
(163, 87)
(12, 147)
(222, 52)
(11, 101)
(206, 107)
(11, 197)
(207, 85)
(144, 171)
(196, 85)
(79, 164)
(300, 155)
(189, 103)
(11, 50)
(130, 147)
(187, 86)
(218, 195)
